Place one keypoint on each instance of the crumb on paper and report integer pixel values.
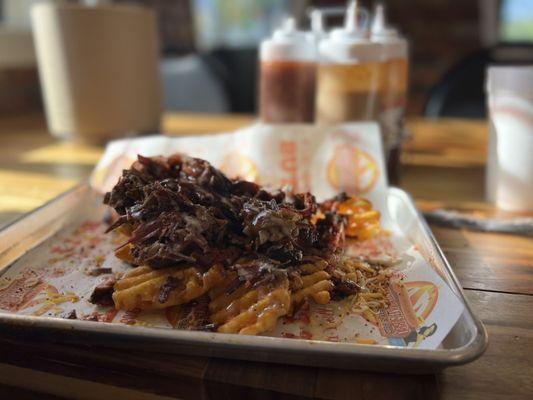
(69, 315)
(97, 271)
(361, 340)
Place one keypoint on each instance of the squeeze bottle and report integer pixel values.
(348, 80)
(287, 76)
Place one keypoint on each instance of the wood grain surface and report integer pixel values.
(489, 261)
(442, 166)
(505, 371)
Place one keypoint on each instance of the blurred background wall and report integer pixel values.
(211, 45)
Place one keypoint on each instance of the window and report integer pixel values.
(240, 23)
(516, 21)
(16, 12)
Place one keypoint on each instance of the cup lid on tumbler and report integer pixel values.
(350, 43)
(516, 79)
(288, 43)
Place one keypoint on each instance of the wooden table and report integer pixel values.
(443, 166)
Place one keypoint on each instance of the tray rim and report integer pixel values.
(226, 344)
(80, 186)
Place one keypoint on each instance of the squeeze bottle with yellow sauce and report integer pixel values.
(394, 50)
(349, 73)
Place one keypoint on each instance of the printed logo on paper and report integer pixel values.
(410, 304)
(352, 170)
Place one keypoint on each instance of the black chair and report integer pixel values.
(461, 92)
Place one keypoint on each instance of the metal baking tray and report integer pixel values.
(465, 342)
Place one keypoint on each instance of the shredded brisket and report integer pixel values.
(183, 210)
(103, 293)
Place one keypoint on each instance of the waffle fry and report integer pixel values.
(250, 310)
(124, 253)
(353, 269)
(314, 282)
(190, 316)
(363, 220)
(145, 288)
(125, 230)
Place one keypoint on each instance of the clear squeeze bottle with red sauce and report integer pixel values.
(287, 76)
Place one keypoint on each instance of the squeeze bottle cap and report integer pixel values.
(317, 22)
(350, 44)
(288, 43)
(380, 29)
(353, 30)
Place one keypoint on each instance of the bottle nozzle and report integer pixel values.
(317, 21)
(379, 24)
(287, 29)
(380, 30)
(289, 25)
(350, 21)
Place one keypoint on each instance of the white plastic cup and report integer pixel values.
(510, 154)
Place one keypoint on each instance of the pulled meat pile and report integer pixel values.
(180, 211)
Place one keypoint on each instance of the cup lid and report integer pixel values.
(510, 78)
